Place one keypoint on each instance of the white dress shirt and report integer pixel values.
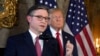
(34, 39)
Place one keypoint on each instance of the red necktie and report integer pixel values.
(38, 47)
(59, 42)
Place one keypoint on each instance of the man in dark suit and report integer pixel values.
(67, 44)
(31, 43)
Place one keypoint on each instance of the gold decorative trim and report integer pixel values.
(7, 13)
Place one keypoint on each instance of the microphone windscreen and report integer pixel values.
(45, 37)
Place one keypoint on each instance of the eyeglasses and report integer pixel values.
(40, 18)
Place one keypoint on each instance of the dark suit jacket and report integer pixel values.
(65, 37)
(22, 45)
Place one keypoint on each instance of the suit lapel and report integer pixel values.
(29, 42)
(48, 31)
(44, 49)
(65, 39)
(64, 36)
(47, 48)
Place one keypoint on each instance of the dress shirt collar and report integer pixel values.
(53, 31)
(33, 36)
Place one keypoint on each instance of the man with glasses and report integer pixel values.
(29, 43)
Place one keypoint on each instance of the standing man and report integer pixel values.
(28, 43)
(67, 44)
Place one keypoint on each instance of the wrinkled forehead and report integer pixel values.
(56, 13)
(55, 10)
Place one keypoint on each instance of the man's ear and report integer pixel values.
(28, 18)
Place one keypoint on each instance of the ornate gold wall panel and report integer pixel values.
(7, 13)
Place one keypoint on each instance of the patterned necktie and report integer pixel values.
(38, 47)
(59, 42)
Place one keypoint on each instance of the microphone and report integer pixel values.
(45, 37)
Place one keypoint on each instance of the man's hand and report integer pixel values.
(69, 48)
